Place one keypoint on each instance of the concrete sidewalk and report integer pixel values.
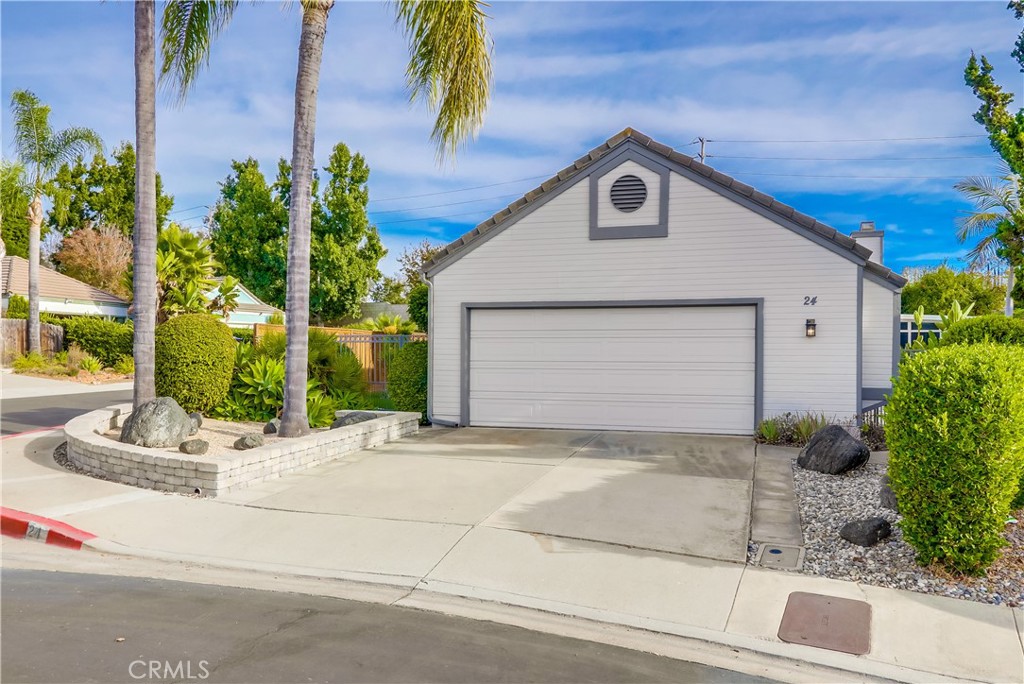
(460, 556)
(15, 386)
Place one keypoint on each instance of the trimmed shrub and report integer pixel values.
(107, 340)
(955, 429)
(407, 379)
(419, 298)
(17, 307)
(995, 328)
(125, 366)
(195, 358)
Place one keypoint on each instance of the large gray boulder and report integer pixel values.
(351, 418)
(832, 450)
(866, 532)
(157, 423)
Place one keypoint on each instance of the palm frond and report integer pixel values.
(188, 29)
(972, 225)
(449, 65)
(71, 143)
(30, 119)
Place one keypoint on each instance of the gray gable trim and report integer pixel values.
(606, 165)
(684, 165)
(883, 276)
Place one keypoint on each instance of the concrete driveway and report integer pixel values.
(685, 494)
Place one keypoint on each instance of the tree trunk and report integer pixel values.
(294, 420)
(144, 235)
(1008, 308)
(35, 216)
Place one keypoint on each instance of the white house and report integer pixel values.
(639, 289)
(58, 293)
(251, 309)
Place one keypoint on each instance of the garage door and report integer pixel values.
(685, 369)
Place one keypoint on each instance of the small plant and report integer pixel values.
(75, 354)
(320, 409)
(61, 357)
(807, 424)
(125, 366)
(33, 361)
(872, 433)
(90, 364)
(955, 315)
(276, 318)
(387, 325)
(768, 432)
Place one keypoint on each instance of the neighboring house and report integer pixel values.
(60, 294)
(639, 289)
(250, 309)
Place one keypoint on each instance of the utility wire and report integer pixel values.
(862, 159)
(813, 175)
(850, 140)
(448, 192)
(182, 211)
(446, 204)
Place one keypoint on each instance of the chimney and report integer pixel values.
(870, 238)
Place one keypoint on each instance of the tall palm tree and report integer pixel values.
(42, 150)
(144, 235)
(997, 222)
(449, 68)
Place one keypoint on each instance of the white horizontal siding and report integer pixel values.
(715, 249)
(878, 335)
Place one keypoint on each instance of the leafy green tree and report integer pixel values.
(997, 223)
(249, 232)
(249, 239)
(42, 150)
(14, 201)
(388, 290)
(449, 68)
(101, 193)
(419, 302)
(938, 289)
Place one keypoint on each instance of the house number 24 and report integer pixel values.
(810, 301)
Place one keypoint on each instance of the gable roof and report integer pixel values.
(52, 285)
(686, 165)
(257, 306)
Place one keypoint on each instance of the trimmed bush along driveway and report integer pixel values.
(684, 494)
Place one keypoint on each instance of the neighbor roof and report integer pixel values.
(259, 307)
(52, 285)
(454, 250)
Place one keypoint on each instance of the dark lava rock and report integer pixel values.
(195, 447)
(249, 441)
(157, 423)
(832, 450)
(197, 422)
(351, 418)
(272, 427)
(866, 532)
(886, 496)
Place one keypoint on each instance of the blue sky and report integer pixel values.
(567, 77)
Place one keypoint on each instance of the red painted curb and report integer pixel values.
(29, 432)
(27, 526)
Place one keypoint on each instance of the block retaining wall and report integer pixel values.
(212, 475)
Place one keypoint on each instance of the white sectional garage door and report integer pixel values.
(679, 369)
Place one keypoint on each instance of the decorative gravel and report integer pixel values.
(827, 502)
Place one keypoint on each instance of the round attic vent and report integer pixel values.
(628, 193)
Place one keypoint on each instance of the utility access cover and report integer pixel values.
(837, 624)
(780, 556)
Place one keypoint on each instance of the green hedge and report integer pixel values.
(195, 358)
(995, 328)
(419, 298)
(107, 340)
(955, 429)
(407, 379)
(17, 307)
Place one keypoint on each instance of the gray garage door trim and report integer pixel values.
(756, 302)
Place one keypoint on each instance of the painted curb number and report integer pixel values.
(37, 531)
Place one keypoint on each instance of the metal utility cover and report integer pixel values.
(837, 624)
(780, 556)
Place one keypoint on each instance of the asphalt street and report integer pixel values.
(65, 627)
(30, 413)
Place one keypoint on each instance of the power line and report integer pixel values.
(812, 175)
(448, 192)
(435, 218)
(851, 140)
(182, 211)
(863, 159)
(447, 204)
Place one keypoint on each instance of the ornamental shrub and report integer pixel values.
(419, 298)
(955, 429)
(107, 340)
(995, 328)
(407, 379)
(195, 358)
(17, 307)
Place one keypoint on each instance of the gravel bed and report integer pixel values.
(827, 502)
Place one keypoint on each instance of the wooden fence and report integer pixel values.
(14, 339)
(374, 350)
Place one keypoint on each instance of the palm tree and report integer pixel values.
(997, 222)
(449, 68)
(42, 150)
(144, 237)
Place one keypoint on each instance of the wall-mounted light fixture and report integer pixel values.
(811, 328)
